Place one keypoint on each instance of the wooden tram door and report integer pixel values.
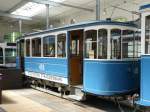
(76, 57)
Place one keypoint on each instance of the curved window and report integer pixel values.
(91, 44)
(61, 45)
(1, 55)
(49, 46)
(128, 44)
(102, 44)
(28, 47)
(36, 47)
(115, 44)
(147, 35)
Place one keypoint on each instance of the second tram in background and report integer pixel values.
(8, 55)
(8, 50)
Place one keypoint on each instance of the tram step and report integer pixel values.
(77, 97)
(76, 90)
(77, 94)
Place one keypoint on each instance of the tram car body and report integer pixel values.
(145, 56)
(7, 54)
(100, 56)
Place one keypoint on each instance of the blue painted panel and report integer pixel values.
(110, 77)
(49, 66)
(145, 81)
(17, 63)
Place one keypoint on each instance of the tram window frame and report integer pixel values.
(21, 48)
(62, 51)
(93, 53)
(28, 42)
(137, 52)
(147, 34)
(45, 49)
(36, 47)
(128, 45)
(116, 52)
(102, 43)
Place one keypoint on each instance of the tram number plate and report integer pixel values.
(47, 77)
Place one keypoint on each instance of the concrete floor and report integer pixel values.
(30, 100)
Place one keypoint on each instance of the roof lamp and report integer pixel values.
(29, 9)
(57, 0)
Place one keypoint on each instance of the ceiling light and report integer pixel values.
(29, 9)
(57, 0)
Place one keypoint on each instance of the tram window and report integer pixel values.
(147, 35)
(115, 44)
(28, 47)
(22, 48)
(91, 44)
(1, 55)
(10, 55)
(102, 44)
(49, 46)
(61, 45)
(36, 47)
(128, 44)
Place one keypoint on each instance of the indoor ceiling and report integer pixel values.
(60, 11)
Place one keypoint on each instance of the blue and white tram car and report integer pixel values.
(100, 56)
(145, 57)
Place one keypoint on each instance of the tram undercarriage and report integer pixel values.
(76, 93)
(61, 90)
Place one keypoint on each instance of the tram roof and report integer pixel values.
(82, 25)
(146, 6)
